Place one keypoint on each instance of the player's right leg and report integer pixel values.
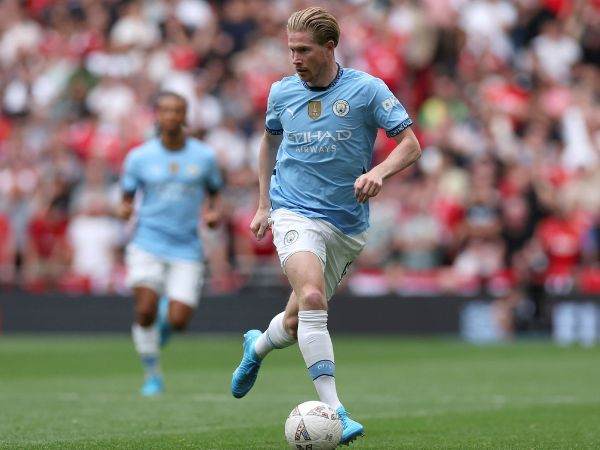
(291, 233)
(146, 339)
(144, 275)
(281, 333)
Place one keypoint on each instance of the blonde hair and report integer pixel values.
(318, 21)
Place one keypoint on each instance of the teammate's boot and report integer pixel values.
(245, 374)
(153, 385)
(164, 327)
(351, 429)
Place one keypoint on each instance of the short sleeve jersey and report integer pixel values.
(328, 137)
(173, 186)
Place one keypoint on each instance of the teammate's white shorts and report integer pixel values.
(180, 280)
(294, 233)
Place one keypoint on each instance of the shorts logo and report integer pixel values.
(290, 237)
(341, 108)
(314, 109)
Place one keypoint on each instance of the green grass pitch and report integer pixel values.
(82, 392)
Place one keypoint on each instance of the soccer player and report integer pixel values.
(321, 124)
(164, 258)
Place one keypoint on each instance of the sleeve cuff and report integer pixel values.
(272, 131)
(400, 128)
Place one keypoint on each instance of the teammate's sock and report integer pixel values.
(274, 337)
(151, 365)
(146, 341)
(317, 350)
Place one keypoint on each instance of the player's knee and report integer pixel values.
(291, 326)
(313, 299)
(178, 323)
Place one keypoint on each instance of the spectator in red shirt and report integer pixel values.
(46, 254)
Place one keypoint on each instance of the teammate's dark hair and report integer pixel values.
(163, 94)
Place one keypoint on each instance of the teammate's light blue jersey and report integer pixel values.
(173, 184)
(328, 137)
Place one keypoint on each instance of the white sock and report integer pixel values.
(317, 350)
(146, 342)
(274, 337)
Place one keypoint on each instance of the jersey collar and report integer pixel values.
(329, 86)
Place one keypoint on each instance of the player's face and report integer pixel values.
(308, 57)
(170, 114)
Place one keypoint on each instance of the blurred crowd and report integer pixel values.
(504, 94)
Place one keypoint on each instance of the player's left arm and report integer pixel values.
(214, 210)
(406, 152)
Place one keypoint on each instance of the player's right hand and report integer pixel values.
(125, 210)
(260, 223)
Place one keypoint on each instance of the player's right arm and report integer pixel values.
(125, 208)
(130, 182)
(266, 162)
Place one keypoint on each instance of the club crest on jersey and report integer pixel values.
(174, 168)
(314, 109)
(341, 108)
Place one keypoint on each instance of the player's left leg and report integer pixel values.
(145, 339)
(182, 289)
(162, 320)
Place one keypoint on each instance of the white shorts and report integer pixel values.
(180, 280)
(293, 233)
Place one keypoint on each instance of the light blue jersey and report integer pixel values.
(173, 184)
(328, 137)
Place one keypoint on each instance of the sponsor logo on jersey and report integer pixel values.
(307, 137)
(314, 109)
(341, 108)
(173, 168)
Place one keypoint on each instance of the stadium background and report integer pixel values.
(494, 233)
(503, 205)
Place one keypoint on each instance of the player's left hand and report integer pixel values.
(212, 217)
(367, 185)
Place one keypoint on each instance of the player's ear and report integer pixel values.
(330, 45)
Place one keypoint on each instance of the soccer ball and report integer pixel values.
(313, 426)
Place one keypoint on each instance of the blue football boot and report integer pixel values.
(164, 327)
(245, 375)
(351, 429)
(153, 386)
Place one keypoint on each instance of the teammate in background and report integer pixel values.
(164, 258)
(321, 124)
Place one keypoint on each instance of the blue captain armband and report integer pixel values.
(274, 132)
(400, 128)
